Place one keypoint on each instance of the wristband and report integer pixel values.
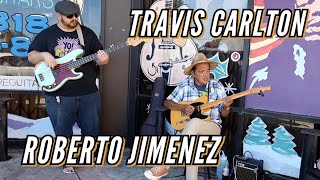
(227, 109)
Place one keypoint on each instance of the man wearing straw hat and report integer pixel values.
(198, 84)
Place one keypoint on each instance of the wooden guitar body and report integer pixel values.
(179, 119)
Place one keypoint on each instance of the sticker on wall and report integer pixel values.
(148, 108)
(299, 55)
(279, 157)
(221, 71)
(257, 133)
(235, 56)
(282, 142)
(229, 89)
(259, 75)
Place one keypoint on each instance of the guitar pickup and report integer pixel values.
(41, 77)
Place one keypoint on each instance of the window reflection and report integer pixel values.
(206, 42)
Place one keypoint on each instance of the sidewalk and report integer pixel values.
(12, 170)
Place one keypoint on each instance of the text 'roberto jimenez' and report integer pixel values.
(146, 150)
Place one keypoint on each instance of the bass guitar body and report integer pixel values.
(52, 79)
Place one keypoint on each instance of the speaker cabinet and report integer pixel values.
(248, 169)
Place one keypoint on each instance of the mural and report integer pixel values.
(289, 66)
(221, 71)
(278, 157)
(257, 134)
(19, 127)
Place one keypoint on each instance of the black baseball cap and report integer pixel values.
(66, 8)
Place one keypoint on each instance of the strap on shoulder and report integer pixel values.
(80, 35)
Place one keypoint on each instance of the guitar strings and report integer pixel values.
(57, 70)
(66, 68)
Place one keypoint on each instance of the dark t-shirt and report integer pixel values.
(202, 89)
(59, 43)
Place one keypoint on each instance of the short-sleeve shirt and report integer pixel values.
(59, 43)
(186, 91)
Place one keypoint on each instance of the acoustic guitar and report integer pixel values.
(201, 105)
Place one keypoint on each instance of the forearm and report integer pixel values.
(225, 112)
(35, 57)
(173, 105)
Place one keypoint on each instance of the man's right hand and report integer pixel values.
(188, 109)
(49, 59)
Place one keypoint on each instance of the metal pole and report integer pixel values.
(4, 129)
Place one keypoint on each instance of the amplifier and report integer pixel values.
(248, 169)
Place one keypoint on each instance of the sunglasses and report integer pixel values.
(71, 16)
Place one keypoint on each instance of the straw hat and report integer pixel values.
(199, 58)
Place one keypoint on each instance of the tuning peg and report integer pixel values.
(261, 93)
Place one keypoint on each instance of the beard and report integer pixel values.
(72, 24)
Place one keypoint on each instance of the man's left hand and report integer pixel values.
(103, 58)
(227, 102)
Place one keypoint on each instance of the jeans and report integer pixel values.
(65, 111)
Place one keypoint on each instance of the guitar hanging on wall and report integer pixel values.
(166, 57)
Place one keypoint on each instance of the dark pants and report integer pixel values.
(84, 110)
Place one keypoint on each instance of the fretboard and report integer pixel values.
(94, 56)
(220, 101)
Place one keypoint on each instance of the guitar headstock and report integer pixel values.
(135, 41)
(259, 90)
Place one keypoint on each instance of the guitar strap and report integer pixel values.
(209, 91)
(80, 35)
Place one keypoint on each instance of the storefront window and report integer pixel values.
(156, 62)
(210, 6)
(20, 22)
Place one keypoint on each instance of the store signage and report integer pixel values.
(19, 45)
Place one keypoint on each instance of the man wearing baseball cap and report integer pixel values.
(198, 84)
(77, 100)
